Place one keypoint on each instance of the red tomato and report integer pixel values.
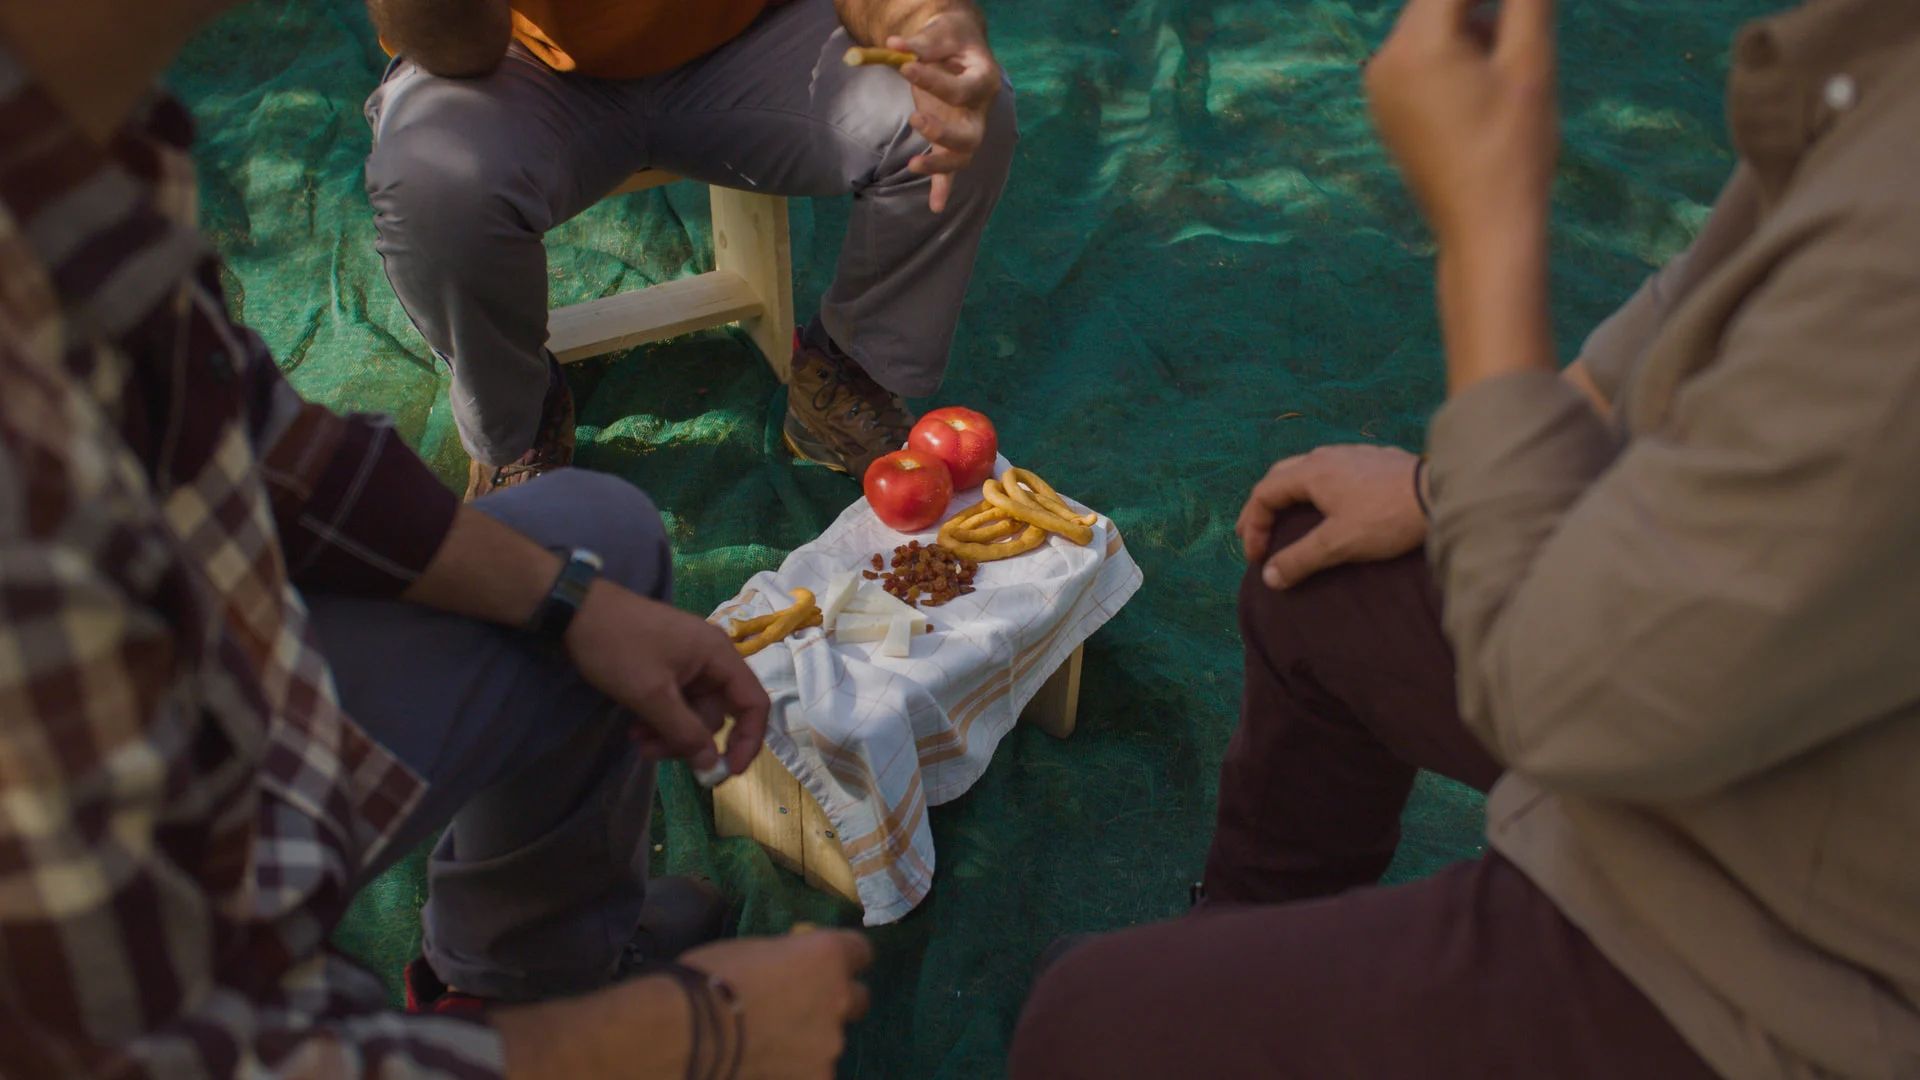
(962, 438)
(909, 490)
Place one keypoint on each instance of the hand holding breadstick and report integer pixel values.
(955, 80)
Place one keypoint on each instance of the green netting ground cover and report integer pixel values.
(1203, 263)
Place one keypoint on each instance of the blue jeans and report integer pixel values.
(536, 884)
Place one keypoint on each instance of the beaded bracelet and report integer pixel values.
(716, 1048)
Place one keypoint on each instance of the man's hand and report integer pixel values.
(1364, 492)
(1466, 105)
(798, 994)
(954, 82)
(677, 673)
(455, 39)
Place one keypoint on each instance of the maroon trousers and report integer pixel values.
(1300, 964)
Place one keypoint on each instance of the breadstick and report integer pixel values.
(803, 613)
(966, 518)
(767, 637)
(1024, 508)
(861, 55)
(980, 525)
(750, 627)
(1044, 494)
(1032, 538)
(998, 529)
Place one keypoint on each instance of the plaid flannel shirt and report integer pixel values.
(184, 808)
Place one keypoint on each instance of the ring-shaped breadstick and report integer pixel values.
(998, 529)
(1044, 494)
(1025, 509)
(787, 622)
(1032, 538)
(972, 517)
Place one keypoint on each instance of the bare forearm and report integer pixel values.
(1493, 303)
(871, 22)
(486, 570)
(452, 38)
(633, 1029)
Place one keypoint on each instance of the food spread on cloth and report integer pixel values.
(897, 662)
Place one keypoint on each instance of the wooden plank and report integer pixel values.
(826, 863)
(750, 239)
(644, 180)
(768, 804)
(1056, 708)
(634, 318)
(765, 804)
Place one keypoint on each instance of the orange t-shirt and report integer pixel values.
(629, 39)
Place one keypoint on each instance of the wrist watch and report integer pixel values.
(551, 619)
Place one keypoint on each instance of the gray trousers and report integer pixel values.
(467, 175)
(537, 883)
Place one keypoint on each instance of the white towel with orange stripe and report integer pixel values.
(877, 740)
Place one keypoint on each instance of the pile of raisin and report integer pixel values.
(925, 575)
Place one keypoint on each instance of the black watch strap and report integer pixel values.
(555, 613)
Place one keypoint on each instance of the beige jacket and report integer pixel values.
(1695, 639)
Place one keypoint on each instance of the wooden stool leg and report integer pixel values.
(1057, 706)
(750, 239)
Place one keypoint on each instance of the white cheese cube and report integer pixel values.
(874, 600)
(839, 591)
(899, 638)
(853, 628)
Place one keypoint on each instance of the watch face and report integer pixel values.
(591, 558)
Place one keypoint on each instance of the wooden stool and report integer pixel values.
(769, 804)
(751, 283)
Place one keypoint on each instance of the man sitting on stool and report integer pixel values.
(499, 119)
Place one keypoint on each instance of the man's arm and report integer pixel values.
(1724, 594)
(452, 38)
(1731, 590)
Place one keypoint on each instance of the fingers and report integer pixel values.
(956, 135)
(1285, 484)
(971, 87)
(672, 729)
(860, 1000)
(1526, 31)
(1305, 557)
(852, 947)
(746, 701)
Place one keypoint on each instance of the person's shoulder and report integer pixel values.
(1864, 162)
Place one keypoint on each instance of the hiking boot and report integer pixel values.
(837, 415)
(680, 913)
(552, 443)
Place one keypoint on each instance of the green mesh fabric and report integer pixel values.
(1204, 263)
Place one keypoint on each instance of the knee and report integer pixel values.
(995, 156)
(437, 182)
(1060, 1033)
(1265, 613)
(624, 528)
